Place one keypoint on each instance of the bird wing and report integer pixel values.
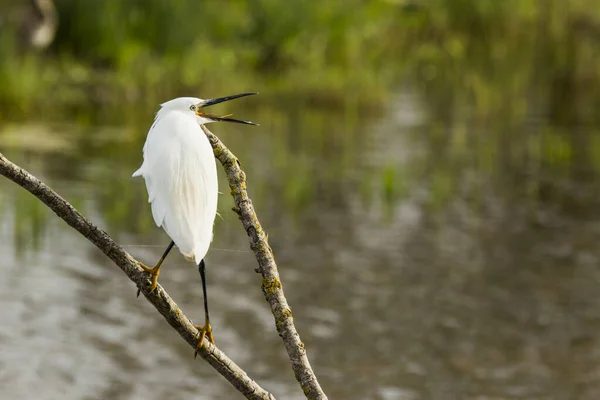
(181, 178)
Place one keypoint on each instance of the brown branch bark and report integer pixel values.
(271, 283)
(158, 298)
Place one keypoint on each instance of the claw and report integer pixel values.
(205, 331)
(154, 272)
(145, 267)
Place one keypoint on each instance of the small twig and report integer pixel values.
(159, 298)
(271, 283)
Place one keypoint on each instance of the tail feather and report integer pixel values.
(137, 173)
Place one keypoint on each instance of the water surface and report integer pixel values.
(423, 258)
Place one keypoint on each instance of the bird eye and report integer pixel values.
(193, 107)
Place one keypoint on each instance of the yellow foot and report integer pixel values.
(154, 272)
(205, 332)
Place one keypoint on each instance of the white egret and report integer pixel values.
(180, 172)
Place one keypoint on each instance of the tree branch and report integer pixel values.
(271, 283)
(159, 298)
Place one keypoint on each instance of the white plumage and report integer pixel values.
(181, 176)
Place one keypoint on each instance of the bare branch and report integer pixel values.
(271, 283)
(159, 298)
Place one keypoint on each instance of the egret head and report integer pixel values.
(195, 106)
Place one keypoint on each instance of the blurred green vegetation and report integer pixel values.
(110, 51)
(467, 57)
(506, 95)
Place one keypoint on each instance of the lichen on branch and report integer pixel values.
(271, 283)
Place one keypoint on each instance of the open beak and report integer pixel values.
(218, 100)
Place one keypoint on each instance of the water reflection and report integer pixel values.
(424, 258)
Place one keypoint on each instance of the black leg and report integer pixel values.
(202, 269)
(206, 329)
(166, 253)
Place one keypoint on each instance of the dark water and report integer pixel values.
(423, 257)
